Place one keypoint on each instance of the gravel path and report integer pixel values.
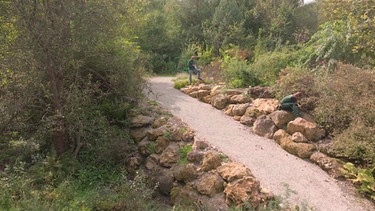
(282, 173)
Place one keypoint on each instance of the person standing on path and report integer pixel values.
(289, 103)
(192, 68)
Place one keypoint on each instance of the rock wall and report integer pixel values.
(256, 108)
(187, 170)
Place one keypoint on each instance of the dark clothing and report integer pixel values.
(191, 64)
(289, 103)
(193, 69)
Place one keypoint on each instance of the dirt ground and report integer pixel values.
(298, 181)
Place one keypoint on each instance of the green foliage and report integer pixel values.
(296, 79)
(356, 143)
(184, 151)
(345, 98)
(181, 84)
(363, 178)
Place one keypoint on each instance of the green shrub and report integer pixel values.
(346, 96)
(357, 143)
(363, 178)
(296, 79)
(184, 151)
(181, 84)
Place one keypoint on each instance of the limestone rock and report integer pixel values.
(209, 184)
(133, 162)
(247, 120)
(211, 160)
(299, 138)
(302, 150)
(266, 105)
(141, 121)
(160, 144)
(219, 101)
(229, 110)
(216, 90)
(233, 171)
(195, 156)
(184, 195)
(259, 92)
(165, 182)
(264, 126)
(205, 87)
(309, 129)
(159, 122)
(240, 109)
(199, 145)
(281, 118)
(170, 156)
(138, 133)
(244, 190)
(240, 99)
(232, 92)
(331, 165)
(153, 134)
(201, 94)
(144, 147)
(152, 161)
(185, 172)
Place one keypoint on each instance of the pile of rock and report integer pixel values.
(256, 108)
(202, 177)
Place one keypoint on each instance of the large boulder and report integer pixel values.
(240, 109)
(244, 190)
(185, 172)
(331, 165)
(233, 171)
(205, 87)
(153, 134)
(219, 101)
(264, 126)
(152, 161)
(138, 134)
(144, 147)
(159, 122)
(141, 121)
(170, 155)
(165, 182)
(247, 120)
(161, 143)
(240, 99)
(309, 129)
(209, 184)
(281, 118)
(211, 160)
(216, 90)
(266, 105)
(195, 156)
(201, 94)
(259, 92)
(302, 150)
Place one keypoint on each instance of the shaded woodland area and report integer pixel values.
(72, 73)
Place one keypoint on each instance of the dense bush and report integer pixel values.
(346, 109)
(292, 80)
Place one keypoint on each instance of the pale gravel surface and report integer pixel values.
(277, 170)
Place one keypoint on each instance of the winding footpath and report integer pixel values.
(298, 181)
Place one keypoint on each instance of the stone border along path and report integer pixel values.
(284, 174)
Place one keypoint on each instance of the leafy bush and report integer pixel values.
(346, 96)
(357, 143)
(184, 151)
(292, 80)
(238, 73)
(363, 178)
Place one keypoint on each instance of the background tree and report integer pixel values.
(64, 60)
